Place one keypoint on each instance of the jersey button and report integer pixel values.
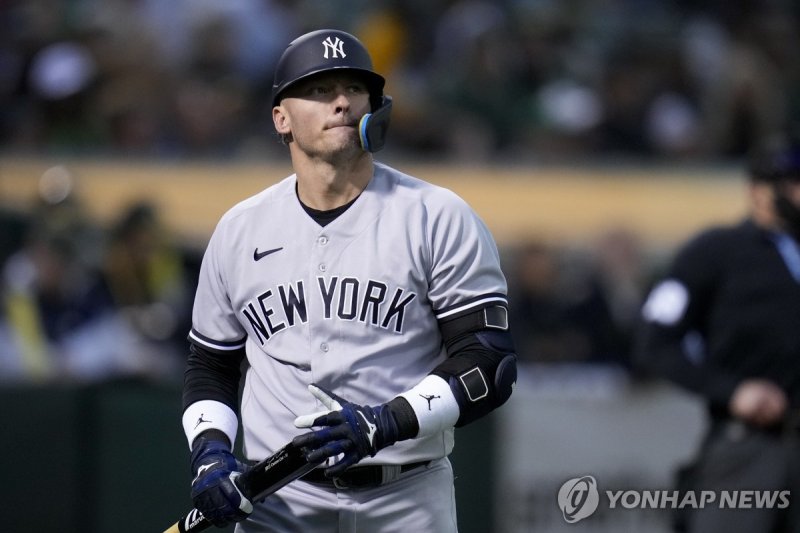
(324, 347)
(323, 240)
(322, 267)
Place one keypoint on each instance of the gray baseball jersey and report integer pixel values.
(353, 306)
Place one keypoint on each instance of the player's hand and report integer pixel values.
(214, 491)
(759, 402)
(356, 431)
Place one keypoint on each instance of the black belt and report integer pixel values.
(361, 477)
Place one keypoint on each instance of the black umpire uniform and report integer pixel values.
(727, 313)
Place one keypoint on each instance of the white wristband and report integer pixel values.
(209, 414)
(434, 404)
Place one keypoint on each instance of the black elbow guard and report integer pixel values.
(482, 372)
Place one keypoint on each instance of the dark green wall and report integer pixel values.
(100, 459)
(113, 459)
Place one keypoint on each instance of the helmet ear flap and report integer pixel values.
(373, 126)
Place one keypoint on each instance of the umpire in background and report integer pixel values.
(725, 323)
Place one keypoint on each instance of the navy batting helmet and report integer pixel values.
(324, 50)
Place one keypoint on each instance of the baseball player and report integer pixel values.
(369, 306)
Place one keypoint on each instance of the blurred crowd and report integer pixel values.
(472, 79)
(84, 301)
(579, 303)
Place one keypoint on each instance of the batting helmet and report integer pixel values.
(324, 50)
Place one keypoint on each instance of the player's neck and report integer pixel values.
(323, 186)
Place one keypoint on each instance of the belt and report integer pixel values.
(362, 477)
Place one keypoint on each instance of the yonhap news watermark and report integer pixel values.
(579, 498)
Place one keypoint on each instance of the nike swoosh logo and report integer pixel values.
(261, 255)
(372, 429)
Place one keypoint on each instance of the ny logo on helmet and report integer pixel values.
(336, 48)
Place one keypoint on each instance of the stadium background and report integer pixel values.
(592, 137)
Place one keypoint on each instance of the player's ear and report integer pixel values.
(281, 120)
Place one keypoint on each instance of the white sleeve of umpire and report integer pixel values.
(434, 404)
(209, 414)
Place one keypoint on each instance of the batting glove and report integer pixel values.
(214, 491)
(356, 431)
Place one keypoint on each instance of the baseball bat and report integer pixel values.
(258, 482)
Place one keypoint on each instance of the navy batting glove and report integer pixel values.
(356, 431)
(214, 491)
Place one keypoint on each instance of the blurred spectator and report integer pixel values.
(211, 95)
(474, 45)
(48, 298)
(628, 86)
(58, 321)
(61, 80)
(560, 308)
(136, 77)
(145, 274)
(534, 308)
(14, 222)
(623, 275)
(749, 99)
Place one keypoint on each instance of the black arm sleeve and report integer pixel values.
(212, 375)
(481, 368)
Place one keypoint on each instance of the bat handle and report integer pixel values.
(174, 528)
(191, 523)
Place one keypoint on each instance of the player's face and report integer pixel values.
(322, 114)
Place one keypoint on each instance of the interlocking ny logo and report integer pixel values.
(336, 48)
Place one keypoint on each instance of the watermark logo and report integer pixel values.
(578, 498)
